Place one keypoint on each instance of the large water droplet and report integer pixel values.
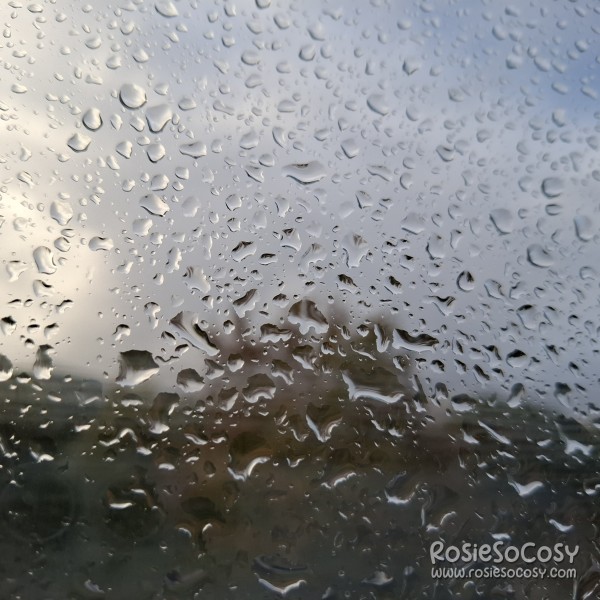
(135, 367)
(132, 96)
(379, 385)
(44, 260)
(306, 173)
(417, 343)
(552, 187)
(465, 281)
(158, 117)
(378, 104)
(538, 256)
(92, 119)
(166, 8)
(79, 142)
(307, 316)
(61, 211)
(43, 365)
(186, 325)
(584, 228)
(6, 368)
(154, 204)
(502, 219)
(247, 450)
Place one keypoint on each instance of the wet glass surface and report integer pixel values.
(295, 291)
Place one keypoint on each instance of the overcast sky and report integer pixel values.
(451, 146)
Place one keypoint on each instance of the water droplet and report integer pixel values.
(61, 211)
(465, 281)
(517, 359)
(538, 256)
(247, 450)
(322, 420)
(249, 140)
(306, 173)
(411, 65)
(245, 303)
(92, 119)
(197, 280)
(307, 52)
(446, 153)
(502, 219)
(6, 368)
(552, 187)
(132, 510)
(279, 575)
(43, 366)
(379, 385)
(584, 228)
(166, 8)
(99, 243)
(517, 394)
(194, 149)
(351, 148)
(307, 316)
(135, 367)
(154, 204)
(186, 326)
(356, 248)
(417, 343)
(44, 260)
(156, 152)
(79, 142)
(378, 104)
(259, 387)
(158, 116)
(562, 393)
(527, 489)
(132, 96)
(243, 250)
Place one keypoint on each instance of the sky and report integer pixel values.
(148, 168)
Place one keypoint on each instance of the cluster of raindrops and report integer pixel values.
(268, 250)
(235, 158)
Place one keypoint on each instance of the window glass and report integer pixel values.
(299, 297)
